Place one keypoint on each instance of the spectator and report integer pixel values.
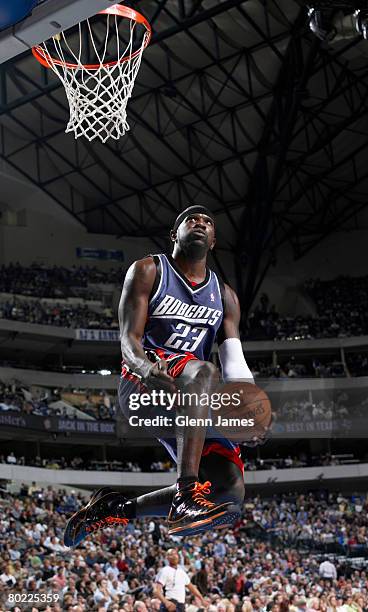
(11, 458)
(102, 596)
(327, 570)
(171, 583)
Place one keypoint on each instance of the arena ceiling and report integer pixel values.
(237, 105)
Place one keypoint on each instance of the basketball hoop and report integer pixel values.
(98, 92)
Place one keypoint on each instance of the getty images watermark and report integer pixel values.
(170, 401)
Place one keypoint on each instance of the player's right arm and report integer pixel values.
(133, 311)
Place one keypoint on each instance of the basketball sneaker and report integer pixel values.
(191, 512)
(104, 509)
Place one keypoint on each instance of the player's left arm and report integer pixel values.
(233, 363)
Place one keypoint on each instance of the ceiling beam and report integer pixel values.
(255, 229)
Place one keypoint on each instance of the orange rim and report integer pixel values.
(120, 11)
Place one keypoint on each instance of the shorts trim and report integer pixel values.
(176, 363)
(232, 455)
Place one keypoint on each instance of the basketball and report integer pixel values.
(241, 412)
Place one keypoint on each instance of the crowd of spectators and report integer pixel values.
(312, 367)
(292, 368)
(78, 463)
(47, 402)
(357, 364)
(336, 406)
(56, 281)
(75, 463)
(76, 316)
(302, 408)
(341, 310)
(291, 552)
(162, 466)
(274, 326)
(341, 304)
(17, 398)
(300, 461)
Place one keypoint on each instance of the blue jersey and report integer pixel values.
(183, 318)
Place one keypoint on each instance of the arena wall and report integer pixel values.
(338, 254)
(59, 242)
(154, 480)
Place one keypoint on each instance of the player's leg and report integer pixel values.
(210, 503)
(227, 485)
(227, 478)
(107, 507)
(189, 503)
(198, 379)
(192, 507)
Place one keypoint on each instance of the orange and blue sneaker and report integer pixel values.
(104, 509)
(192, 512)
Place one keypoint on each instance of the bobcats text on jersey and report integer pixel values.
(173, 307)
(182, 317)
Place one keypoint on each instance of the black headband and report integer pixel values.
(191, 210)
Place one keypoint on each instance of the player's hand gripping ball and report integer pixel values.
(241, 412)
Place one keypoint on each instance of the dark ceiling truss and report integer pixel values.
(346, 84)
(196, 15)
(303, 197)
(315, 184)
(180, 180)
(331, 203)
(184, 181)
(191, 132)
(220, 64)
(200, 114)
(159, 95)
(295, 182)
(191, 170)
(256, 228)
(78, 167)
(267, 36)
(45, 85)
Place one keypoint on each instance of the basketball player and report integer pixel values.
(171, 310)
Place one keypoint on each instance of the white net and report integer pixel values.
(97, 93)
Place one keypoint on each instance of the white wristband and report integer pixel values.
(233, 364)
